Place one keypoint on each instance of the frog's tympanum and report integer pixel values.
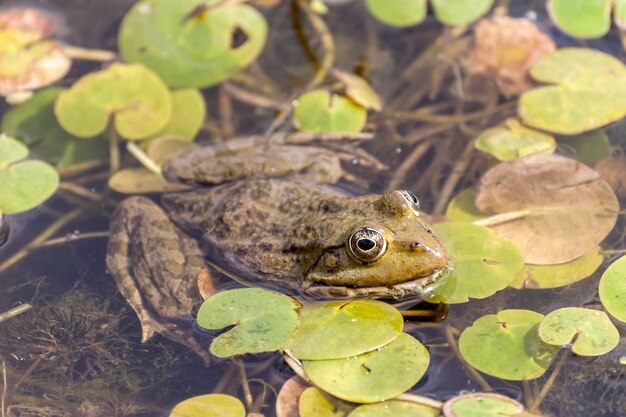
(270, 218)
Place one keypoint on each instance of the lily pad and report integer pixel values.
(137, 100)
(359, 90)
(394, 408)
(210, 405)
(192, 43)
(288, 399)
(462, 208)
(141, 181)
(460, 12)
(482, 404)
(264, 321)
(559, 275)
(314, 404)
(165, 147)
(506, 345)
(399, 13)
(569, 208)
(341, 329)
(581, 18)
(319, 111)
(512, 140)
(481, 263)
(373, 376)
(590, 147)
(24, 183)
(589, 332)
(613, 289)
(589, 92)
(35, 124)
(188, 112)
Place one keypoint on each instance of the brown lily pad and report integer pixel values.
(613, 171)
(569, 208)
(289, 396)
(29, 19)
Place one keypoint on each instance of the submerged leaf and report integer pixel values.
(512, 140)
(210, 405)
(319, 111)
(613, 289)
(590, 146)
(359, 90)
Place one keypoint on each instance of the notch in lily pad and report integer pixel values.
(613, 289)
(320, 111)
(209, 405)
(264, 320)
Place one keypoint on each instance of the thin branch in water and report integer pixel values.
(420, 399)
(409, 162)
(4, 388)
(225, 109)
(72, 238)
(250, 97)
(502, 218)
(458, 171)
(114, 150)
(548, 385)
(245, 386)
(143, 158)
(79, 168)
(99, 55)
(15, 311)
(471, 372)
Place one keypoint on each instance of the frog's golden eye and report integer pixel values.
(366, 244)
(411, 198)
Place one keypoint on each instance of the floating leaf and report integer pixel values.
(462, 208)
(141, 181)
(137, 100)
(210, 405)
(619, 14)
(482, 404)
(481, 263)
(373, 376)
(288, 397)
(506, 345)
(341, 329)
(590, 146)
(319, 111)
(24, 184)
(613, 289)
(188, 112)
(399, 13)
(460, 12)
(581, 18)
(192, 43)
(394, 408)
(35, 124)
(314, 404)
(513, 140)
(589, 91)
(590, 332)
(264, 321)
(359, 90)
(569, 209)
(165, 147)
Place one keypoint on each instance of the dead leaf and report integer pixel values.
(613, 171)
(289, 396)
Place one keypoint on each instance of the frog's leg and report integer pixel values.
(155, 266)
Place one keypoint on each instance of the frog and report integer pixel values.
(270, 216)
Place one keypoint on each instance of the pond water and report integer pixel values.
(78, 351)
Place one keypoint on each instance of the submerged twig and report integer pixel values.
(458, 171)
(250, 97)
(409, 162)
(143, 158)
(245, 386)
(225, 109)
(548, 385)
(420, 399)
(502, 218)
(15, 311)
(471, 372)
(73, 238)
(99, 55)
(4, 389)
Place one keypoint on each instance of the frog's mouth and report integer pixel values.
(415, 286)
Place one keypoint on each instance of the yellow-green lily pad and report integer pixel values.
(588, 91)
(135, 97)
(399, 13)
(24, 183)
(264, 320)
(320, 111)
(394, 408)
(588, 332)
(559, 275)
(506, 345)
(209, 405)
(372, 376)
(481, 263)
(341, 329)
(462, 208)
(513, 140)
(313, 403)
(460, 12)
(188, 112)
(590, 146)
(359, 90)
(482, 404)
(141, 181)
(192, 43)
(613, 289)
(581, 18)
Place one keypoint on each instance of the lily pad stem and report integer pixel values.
(4, 388)
(420, 399)
(99, 55)
(509, 106)
(245, 386)
(502, 218)
(114, 150)
(74, 238)
(471, 372)
(548, 385)
(143, 158)
(14, 312)
(295, 365)
(458, 172)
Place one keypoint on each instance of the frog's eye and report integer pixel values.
(410, 198)
(366, 244)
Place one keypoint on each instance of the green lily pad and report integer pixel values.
(460, 12)
(589, 91)
(399, 13)
(137, 100)
(590, 146)
(314, 404)
(341, 329)
(482, 404)
(558, 275)
(210, 405)
(394, 408)
(24, 184)
(462, 208)
(590, 332)
(319, 111)
(581, 18)
(481, 263)
(373, 376)
(264, 321)
(188, 112)
(506, 345)
(619, 13)
(35, 124)
(613, 289)
(359, 90)
(513, 140)
(192, 43)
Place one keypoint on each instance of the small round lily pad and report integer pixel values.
(210, 405)
(394, 408)
(141, 181)
(460, 12)
(481, 263)
(506, 345)
(135, 97)
(264, 320)
(462, 208)
(590, 146)
(399, 13)
(513, 140)
(581, 18)
(313, 403)
(340, 329)
(482, 404)
(613, 289)
(321, 111)
(359, 90)
(589, 332)
(192, 43)
(373, 376)
(188, 112)
(24, 183)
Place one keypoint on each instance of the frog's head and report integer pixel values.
(392, 251)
